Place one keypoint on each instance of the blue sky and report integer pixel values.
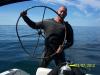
(80, 12)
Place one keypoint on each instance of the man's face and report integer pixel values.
(62, 11)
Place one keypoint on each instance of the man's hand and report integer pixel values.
(60, 49)
(24, 13)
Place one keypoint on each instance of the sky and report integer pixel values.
(80, 12)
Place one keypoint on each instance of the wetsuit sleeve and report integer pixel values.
(34, 25)
(69, 36)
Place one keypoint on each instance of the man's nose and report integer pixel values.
(62, 13)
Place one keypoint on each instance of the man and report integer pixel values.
(55, 32)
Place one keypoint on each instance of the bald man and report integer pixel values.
(54, 32)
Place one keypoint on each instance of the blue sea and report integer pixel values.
(86, 48)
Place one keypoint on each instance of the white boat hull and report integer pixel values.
(14, 72)
(40, 71)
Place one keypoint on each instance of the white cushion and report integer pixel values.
(43, 71)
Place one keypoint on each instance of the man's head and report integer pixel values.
(62, 11)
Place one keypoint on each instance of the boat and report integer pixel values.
(6, 2)
(40, 71)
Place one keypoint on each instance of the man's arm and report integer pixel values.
(69, 36)
(29, 22)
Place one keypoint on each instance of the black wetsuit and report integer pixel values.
(55, 33)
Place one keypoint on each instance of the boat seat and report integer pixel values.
(42, 71)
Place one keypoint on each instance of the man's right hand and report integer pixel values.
(24, 13)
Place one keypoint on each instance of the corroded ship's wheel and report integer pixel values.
(39, 33)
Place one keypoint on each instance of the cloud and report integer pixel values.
(47, 1)
(82, 5)
(98, 20)
(93, 3)
(52, 1)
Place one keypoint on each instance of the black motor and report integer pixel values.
(65, 69)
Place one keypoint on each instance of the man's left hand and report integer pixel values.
(60, 49)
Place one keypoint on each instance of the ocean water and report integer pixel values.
(86, 48)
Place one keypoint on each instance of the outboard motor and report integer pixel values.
(63, 69)
(66, 70)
